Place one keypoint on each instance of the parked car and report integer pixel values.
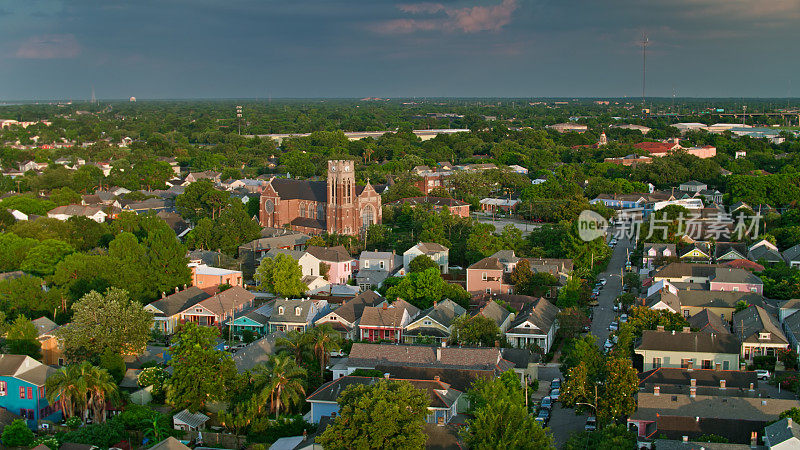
(762, 374)
(543, 417)
(608, 345)
(623, 318)
(617, 307)
(556, 383)
(591, 423)
(554, 394)
(547, 403)
(602, 281)
(614, 326)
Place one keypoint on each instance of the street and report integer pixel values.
(500, 222)
(604, 312)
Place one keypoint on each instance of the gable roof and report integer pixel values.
(371, 355)
(488, 263)
(766, 253)
(289, 306)
(289, 188)
(752, 321)
(694, 342)
(721, 248)
(732, 275)
(430, 247)
(541, 314)
(494, 311)
(24, 368)
(443, 312)
(170, 443)
(656, 147)
(330, 254)
(232, 299)
(440, 394)
(352, 309)
(44, 325)
(781, 431)
(745, 264)
(708, 322)
(387, 315)
(180, 301)
(717, 299)
(792, 253)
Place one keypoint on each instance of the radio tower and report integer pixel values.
(644, 43)
(94, 100)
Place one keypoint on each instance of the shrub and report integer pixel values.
(17, 434)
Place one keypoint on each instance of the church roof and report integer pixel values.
(301, 189)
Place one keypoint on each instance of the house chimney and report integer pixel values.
(659, 327)
(163, 294)
(657, 391)
(754, 437)
(751, 387)
(385, 307)
(692, 392)
(386, 376)
(687, 329)
(693, 382)
(723, 384)
(176, 289)
(438, 354)
(788, 422)
(686, 439)
(436, 378)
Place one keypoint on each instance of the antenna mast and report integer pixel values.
(644, 43)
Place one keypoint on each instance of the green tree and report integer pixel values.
(21, 338)
(106, 322)
(64, 196)
(294, 343)
(420, 289)
(474, 331)
(323, 340)
(17, 434)
(281, 275)
(384, 415)
(13, 250)
(500, 419)
(611, 437)
(284, 387)
(167, 265)
(42, 258)
(421, 263)
(193, 357)
(114, 364)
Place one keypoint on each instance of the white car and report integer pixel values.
(614, 326)
(623, 318)
(602, 281)
(762, 374)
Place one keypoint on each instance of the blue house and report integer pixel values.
(443, 399)
(22, 389)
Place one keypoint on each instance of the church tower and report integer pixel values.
(603, 140)
(341, 212)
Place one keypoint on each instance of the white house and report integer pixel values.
(437, 252)
(95, 213)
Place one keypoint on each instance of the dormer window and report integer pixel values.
(297, 310)
(382, 265)
(366, 264)
(280, 309)
(764, 336)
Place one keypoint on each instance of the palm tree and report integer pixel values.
(295, 343)
(323, 340)
(285, 383)
(101, 389)
(67, 387)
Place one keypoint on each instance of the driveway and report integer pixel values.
(604, 312)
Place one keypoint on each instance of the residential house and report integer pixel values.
(694, 415)
(693, 186)
(489, 275)
(346, 317)
(687, 349)
(309, 264)
(792, 256)
(698, 252)
(211, 175)
(204, 276)
(437, 252)
(253, 321)
(729, 251)
(654, 253)
(787, 308)
(22, 389)
(782, 435)
(498, 205)
(713, 277)
(791, 328)
(500, 315)
(759, 331)
(536, 324)
(272, 238)
(340, 264)
(166, 311)
(766, 251)
(218, 308)
(711, 195)
(96, 213)
(708, 322)
(32, 165)
(658, 149)
(375, 267)
(433, 324)
(176, 222)
(386, 322)
(735, 280)
(296, 314)
(442, 406)
(52, 353)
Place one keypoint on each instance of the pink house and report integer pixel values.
(703, 152)
(490, 274)
(736, 280)
(486, 276)
(340, 263)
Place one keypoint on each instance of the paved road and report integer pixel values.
(604, 312)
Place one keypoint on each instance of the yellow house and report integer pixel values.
(433, 323)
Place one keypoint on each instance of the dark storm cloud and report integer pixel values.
(353, 48)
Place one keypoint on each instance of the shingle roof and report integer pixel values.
(745, 264)
(709, 322)
(331, 254)
(285, 240)
(371, 355)
(431, 247)
(289, 306)
(689, 342)
(722, 248)
(232, 299)
(494, 311)
(440, 395)
(704, 406)
(44, 325)
(180, 301)
(766, 253)
(308, 222)
(750, 322)
(443, 312)
(782, 431)
(703, 377)
(169, 443)
(731, 275)
(682, 269)
(387, 315)
(24, 368)
(717, 299)
(792, 253)
(300, 189)
(541, 314)
(488, 263)
(352, 310)
(76, 210)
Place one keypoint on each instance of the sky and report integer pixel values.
(151, 49)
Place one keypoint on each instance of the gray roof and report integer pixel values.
(289, 314)
(440, 394)
(372, 355)
(709, 322)
(792, 254)
(697, 342)
(170, 443)
(749, 322)
(286, 240)
(766, 253)
(494, 311)
(705, 406)
(781, 431)
(316, 191)
(179, 301)
(44, 325)
(431, 247)
(256, 353)
(665, 296)
(194, 420)
(24, 368)
(296, 254)
(717, 299)
(722, 248)
(332, 254)
(541, 314)
(375, 255)
(352, 309)
(443, 312)
(731, 275)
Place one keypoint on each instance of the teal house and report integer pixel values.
(255, 321)
(22, 390)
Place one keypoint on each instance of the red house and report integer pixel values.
(386, 322)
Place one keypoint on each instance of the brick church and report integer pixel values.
(315, 207)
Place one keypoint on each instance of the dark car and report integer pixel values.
(543, 417)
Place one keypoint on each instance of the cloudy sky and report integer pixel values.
(380, 48)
